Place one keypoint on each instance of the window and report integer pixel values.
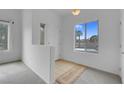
(42, 33)
(3, 36)
(86, 37)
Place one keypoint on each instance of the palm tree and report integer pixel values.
(79, 33)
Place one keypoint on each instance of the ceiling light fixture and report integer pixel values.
(76, 12)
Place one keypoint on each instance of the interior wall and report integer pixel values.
(52, 22)
(108, 57)
(122, 45)
(15, 50)
(40, 58)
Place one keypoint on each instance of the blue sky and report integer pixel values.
(92, 29)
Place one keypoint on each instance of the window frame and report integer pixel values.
(85, 50)
(8, 33)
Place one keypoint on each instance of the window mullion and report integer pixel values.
(85, 37)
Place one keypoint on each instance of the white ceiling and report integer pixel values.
(65, 12)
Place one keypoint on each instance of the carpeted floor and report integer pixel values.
(64, 75)
(18, 73)
(67, 72)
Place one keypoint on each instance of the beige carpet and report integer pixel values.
(67, 72)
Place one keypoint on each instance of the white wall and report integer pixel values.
(52, 22)
(108, 58)
(40, 58)
(15, 51)
(122, 45)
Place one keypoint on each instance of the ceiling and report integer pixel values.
(63, 11)
(67, 12)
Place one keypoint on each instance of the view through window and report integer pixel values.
(86, 36)
(3, 36)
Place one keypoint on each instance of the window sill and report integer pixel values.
(84, 51)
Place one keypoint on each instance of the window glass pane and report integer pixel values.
(42, 33)
(80, 37)
(3, 36)
(92, 36)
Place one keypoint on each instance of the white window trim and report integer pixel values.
(85, 50)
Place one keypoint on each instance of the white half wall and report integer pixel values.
(15, 50)
(40, 58)
(108, 58)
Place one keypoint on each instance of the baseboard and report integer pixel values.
(70, 62)
(5, 62)
(58, 59)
